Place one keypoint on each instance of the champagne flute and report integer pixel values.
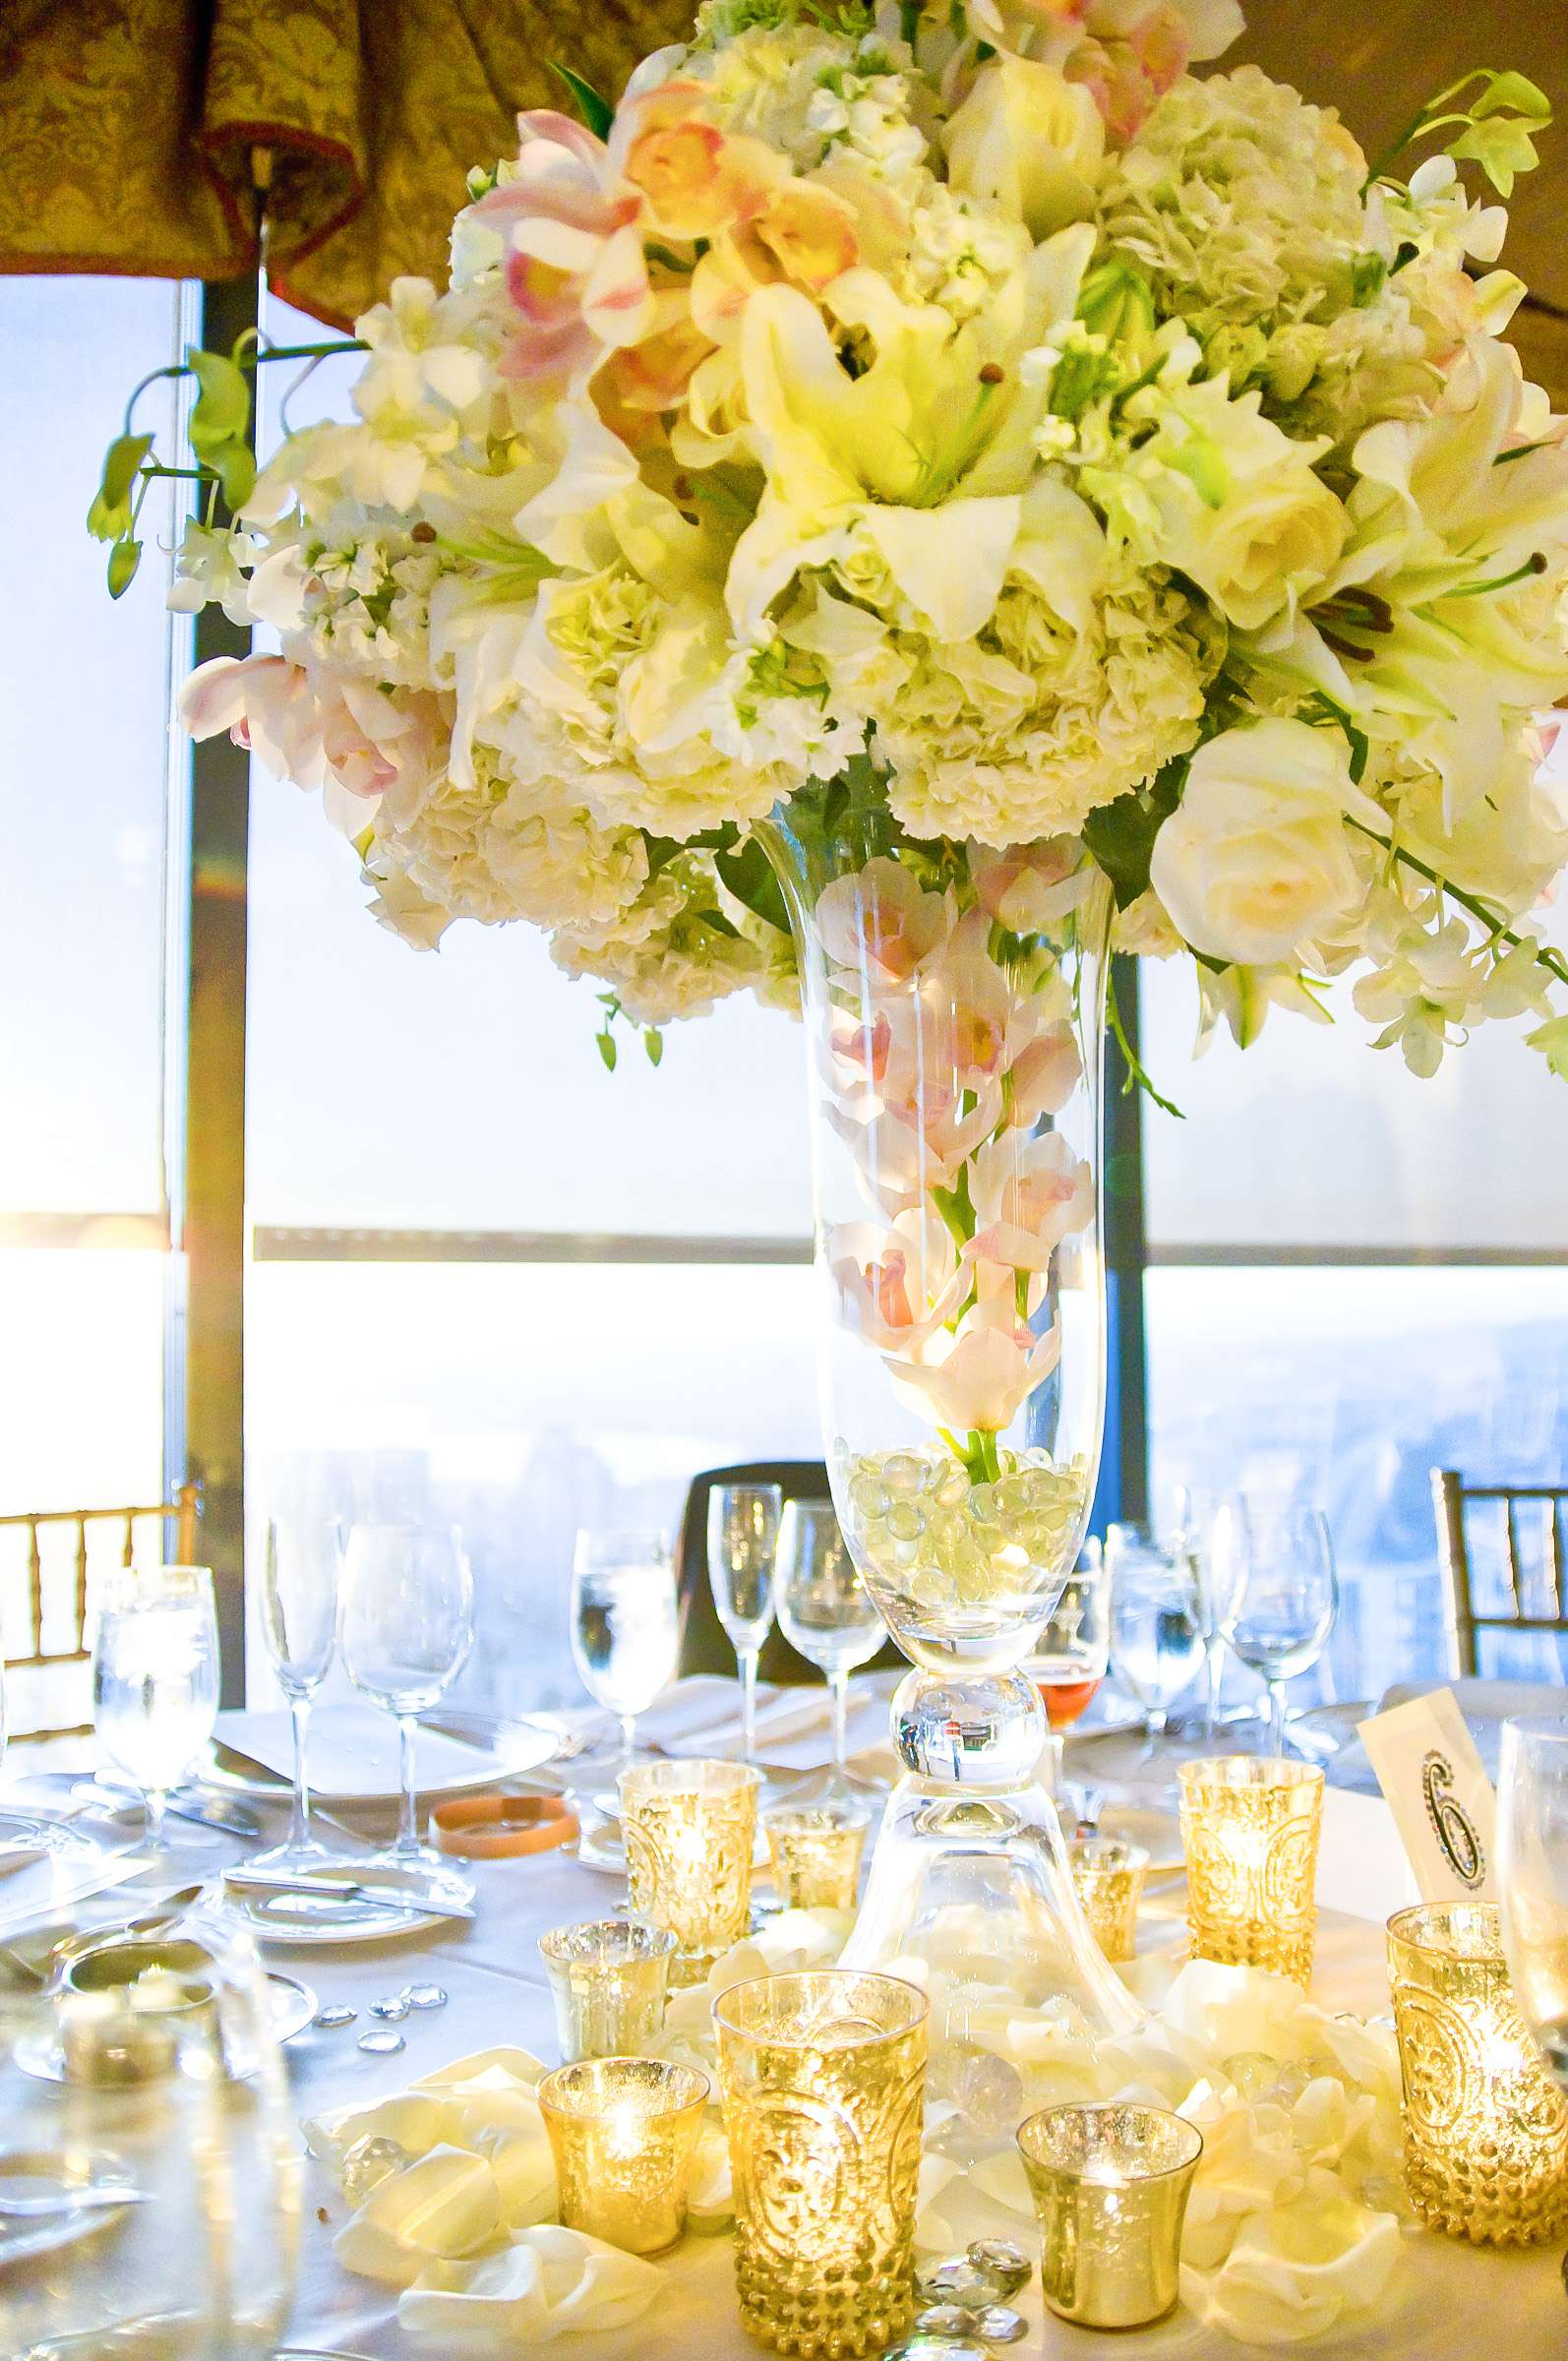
(824, 1609)
(743, 1540)
(155, 1677)
(1284, 1600)
(407, 1627)
(299, 1622)
(1156, 1624)
(624, 1628)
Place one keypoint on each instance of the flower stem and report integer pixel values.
(1495, 925)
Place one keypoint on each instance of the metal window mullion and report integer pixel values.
(204, 1358)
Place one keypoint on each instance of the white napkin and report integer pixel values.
(788, 1715)
(446, 2204)
(543, 2284)
(353, 1753)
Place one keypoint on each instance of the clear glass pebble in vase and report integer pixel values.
(954, 1006)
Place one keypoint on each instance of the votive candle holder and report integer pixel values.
(1485, 2128)
(1108, 1877)
(690, 1829)
(822, 2076)
(621, 2132)
(1110, 2186)
(609, 1979)
(1249, 1829)
(816, 1850)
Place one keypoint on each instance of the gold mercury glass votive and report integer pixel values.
(1108, 1877)
(816, 1853)
(689, 1829)
(1485, 2129)
(822, 2075)
(1110, 2186)
(1249, 1828)
(608, 1980)
(622, 2131)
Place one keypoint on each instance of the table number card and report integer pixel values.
(1440, 1797)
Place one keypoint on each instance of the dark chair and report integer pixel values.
(705, 1643)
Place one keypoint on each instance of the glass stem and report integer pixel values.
(1277, 1716)
(1214, 1666)
(629, 1739)
(409, 1833)
(299, 1825)
(157, 1801)
(748, 1657)
(841, 1682)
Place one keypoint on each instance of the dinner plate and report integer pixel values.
(463, 1751)
(312, 1918)
(20, 2241)
(292, 2004)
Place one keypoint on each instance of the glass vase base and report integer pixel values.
(964, 1878)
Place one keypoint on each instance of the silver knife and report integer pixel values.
(337, 1889)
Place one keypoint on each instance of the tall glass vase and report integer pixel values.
(954, 1009)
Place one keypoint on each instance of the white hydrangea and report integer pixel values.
(691, 957)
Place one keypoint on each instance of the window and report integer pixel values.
(1356, 1277)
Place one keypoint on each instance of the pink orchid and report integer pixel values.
(1126, 76)
(575, 270)
(1029, 1195)
(343, 732)
(904, 1149)
(695, 179)
(896, 1287)
(980, 1378)
(1029, 886)
(965, 1006)
(880, 923)
(1043, 1076)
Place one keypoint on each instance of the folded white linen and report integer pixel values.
(543, 2284)
(443, 2205)
(786, 1716)
(1296, 2272)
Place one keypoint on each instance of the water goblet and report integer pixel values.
(825, 1611)
(406, 1629)
(19, 1831)
(299, 1624)
(624, 1626)
(1156, 1624)
(1284, 1601)
(155, 1677)
(743, 1539)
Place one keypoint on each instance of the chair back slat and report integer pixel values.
(184, 1509)
(1451, 1499)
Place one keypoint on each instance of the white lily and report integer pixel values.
(927, 451)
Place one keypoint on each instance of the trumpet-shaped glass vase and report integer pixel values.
(954, 1009)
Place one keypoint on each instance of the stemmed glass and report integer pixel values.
(1285, 1597)
(1221, 1563)
(824, 1610)
(1156, 1624)
(407, 1627)
(743, 1539)
(1073, 1649)
(299, 1622)
(624, 1628)
(154, 1677)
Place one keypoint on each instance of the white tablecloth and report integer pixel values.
(1450, 2303)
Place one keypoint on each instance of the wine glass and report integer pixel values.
(1533, 1877)
(824, 1609)
(180, 2095)
(154, 1677)
(407, 1627)
(624, 1628)
(299, 1624)
(1074, 1649)
(1285, 1597)
(1221, 1563)
(743, 1539)
(1156, 1624)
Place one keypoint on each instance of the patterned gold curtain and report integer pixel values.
(179, 138)
(162, 136)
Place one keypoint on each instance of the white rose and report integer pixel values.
(1255, 861)
(1226, 497)
(1030, 141)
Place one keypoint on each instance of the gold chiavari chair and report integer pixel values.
(185, 1508)
(1452, 1499)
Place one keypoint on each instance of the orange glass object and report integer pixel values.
(1065, 1700)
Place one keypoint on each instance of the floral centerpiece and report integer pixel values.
(903, 499)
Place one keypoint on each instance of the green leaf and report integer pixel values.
(235, 463)
(653, 1043)
(748, 874)
(719, 924)
(1121, 835)
(222, 410)
(124, 558)
(605, 1044)
(596, 112)
(1368, 273)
